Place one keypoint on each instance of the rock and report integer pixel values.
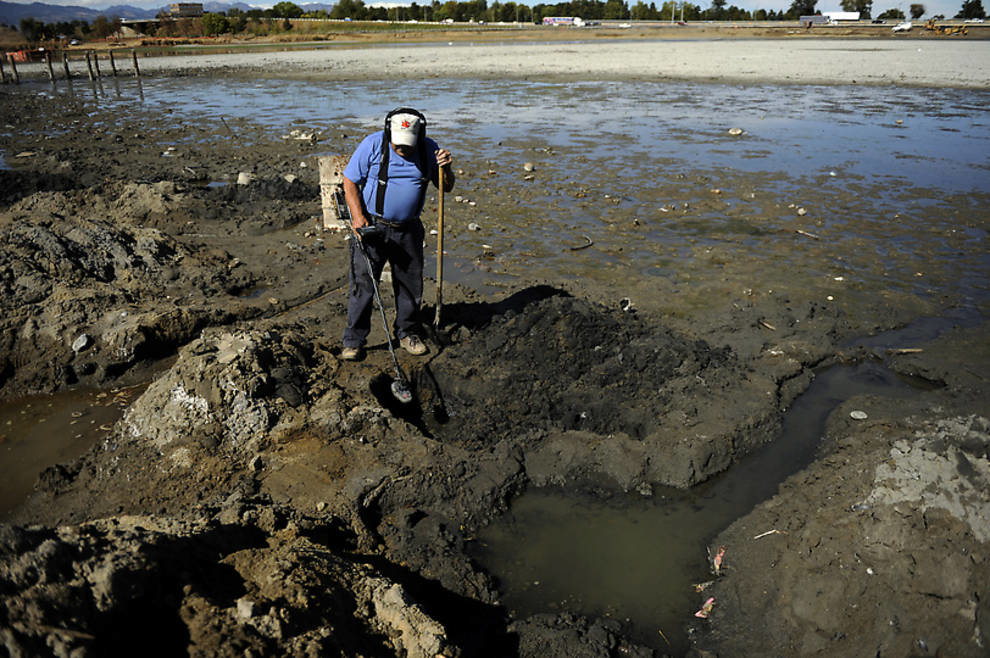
(245, 608)
(735, 132)
(529, 166)
(473, 227)
(81, 343)
(802, 212)
(245, 178)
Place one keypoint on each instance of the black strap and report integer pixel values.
(387, 150)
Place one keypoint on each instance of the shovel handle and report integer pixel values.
(436, 319)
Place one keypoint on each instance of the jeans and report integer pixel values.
(402, 247)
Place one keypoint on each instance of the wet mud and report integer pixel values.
(262, 495)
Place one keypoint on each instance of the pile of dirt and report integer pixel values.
(85, 299)
(252, 579)
(596, 392)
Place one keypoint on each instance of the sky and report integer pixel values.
(948, 7)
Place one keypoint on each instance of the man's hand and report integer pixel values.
(444, 158)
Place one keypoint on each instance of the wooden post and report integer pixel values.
(3, 74)
(51, 71)
(96, 63)
(65, 63)
(89, 65)
(137, 71)
(13, 70)
(113, 64)
(331, 183)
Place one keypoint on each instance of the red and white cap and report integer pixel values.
(405, 129)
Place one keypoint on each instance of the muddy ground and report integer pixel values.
(262, 497)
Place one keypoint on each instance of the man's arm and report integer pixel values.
(353, 197)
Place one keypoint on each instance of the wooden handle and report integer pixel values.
(436, 319)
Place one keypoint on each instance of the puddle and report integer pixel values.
(636, 559)
(39, 431)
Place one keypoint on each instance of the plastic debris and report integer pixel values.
(717, 560)
(706, 609)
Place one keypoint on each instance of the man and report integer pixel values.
(391, 197)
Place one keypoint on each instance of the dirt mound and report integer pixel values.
(245, 581)
(88, 298)
(601, 391)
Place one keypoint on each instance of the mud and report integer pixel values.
(261, 495)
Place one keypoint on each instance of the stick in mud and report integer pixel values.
(96, 64)
(13, 70)
(51, 71)
(3, 74)
(89, 66)
(65, 63)
(137, 71)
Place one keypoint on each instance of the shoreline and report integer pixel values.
(810, 61)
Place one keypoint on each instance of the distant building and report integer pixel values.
(185, 9)
(836, 16)
(563, 20)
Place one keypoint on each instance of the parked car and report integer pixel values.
(902, 27)
(973, 20)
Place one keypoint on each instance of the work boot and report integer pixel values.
(413, 345)
(352, 353)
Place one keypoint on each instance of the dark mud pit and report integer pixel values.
(259, 495)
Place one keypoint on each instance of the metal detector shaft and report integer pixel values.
(400, 376)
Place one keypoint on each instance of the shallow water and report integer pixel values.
(39, 431)
(895, 181)
(637, 559)
(935, 137)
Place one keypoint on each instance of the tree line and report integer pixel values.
(277, 18)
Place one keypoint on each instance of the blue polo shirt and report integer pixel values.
(406, 183)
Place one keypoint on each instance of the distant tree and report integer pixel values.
(892, 14)
(862, 6)
(615, 9)
(917, 11)
(236, 20)
(972, 9)
(800, 8)
(32, 30)
(103, 27)
(215, 24)
(287, 10)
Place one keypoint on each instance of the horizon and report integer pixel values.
(947, 7)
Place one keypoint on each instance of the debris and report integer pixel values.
(245, 178)
(717, 560)
(770, 532)
(735, 132)
(807, 235)
(660, 630)
(701, 587)
(25, 154)
(706, 609)
(905, 350)
(858, 415)
(767, 325)
(802, 212)
(473, 227)
(626, 304)
(588, 242)
(529, 166)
